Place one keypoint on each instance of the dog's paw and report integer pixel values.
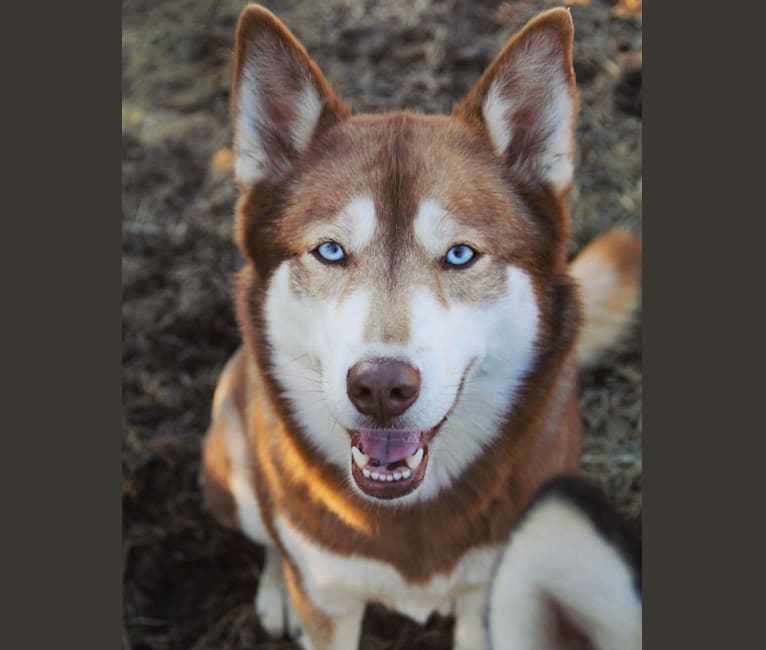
(470, 637)
(269, 607)
(470, 631)
(294, 627)
(275, 611)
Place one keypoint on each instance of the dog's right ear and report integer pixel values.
(526, 102)
(280, 100)
(570, 576)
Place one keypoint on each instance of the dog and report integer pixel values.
(412, 332)
(570, 576)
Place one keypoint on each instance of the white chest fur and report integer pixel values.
(337, 583)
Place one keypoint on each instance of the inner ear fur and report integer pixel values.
(526, 104)
(280, 100)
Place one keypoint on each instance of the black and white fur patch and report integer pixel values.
(570, 575)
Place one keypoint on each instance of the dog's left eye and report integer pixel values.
(459, 255)
(331, 252)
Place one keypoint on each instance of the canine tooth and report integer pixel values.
(406, 473)
(375, 475)
(389, 477)
(359, 458)
(398, 476)
(414, 461)
(366, 473)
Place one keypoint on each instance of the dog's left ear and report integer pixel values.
(280, 99)
(527, 102)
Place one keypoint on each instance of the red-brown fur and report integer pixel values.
(399, 156)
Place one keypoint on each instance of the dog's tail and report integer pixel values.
(221, 162)
(608, 272)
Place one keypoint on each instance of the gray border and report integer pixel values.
(700, 584)
(61, 318)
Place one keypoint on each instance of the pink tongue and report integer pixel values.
(389, 446)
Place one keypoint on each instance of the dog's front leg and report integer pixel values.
(470, 632)
(322, 630)
(272, 603)
(346, 630)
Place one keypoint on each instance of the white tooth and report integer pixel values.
(389, 477)
(398, 476)
(366, 473)
(375, 475)
(406, 473)
(414, 460)
(359, 458)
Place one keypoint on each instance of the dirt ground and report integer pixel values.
(188, 584)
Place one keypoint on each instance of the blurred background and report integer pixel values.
(188, 584)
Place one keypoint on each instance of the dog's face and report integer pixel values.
(404, 259)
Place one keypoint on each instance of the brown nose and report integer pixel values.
(383, 388)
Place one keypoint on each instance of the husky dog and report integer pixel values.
(411, 332)
(570, 577)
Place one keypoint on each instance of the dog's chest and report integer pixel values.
(340, 582)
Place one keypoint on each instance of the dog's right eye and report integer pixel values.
(330, 252)
(460, 255)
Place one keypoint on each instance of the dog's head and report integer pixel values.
(405, 263)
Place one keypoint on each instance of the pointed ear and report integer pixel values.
(569, 578)
(280, 100)
(527, 101)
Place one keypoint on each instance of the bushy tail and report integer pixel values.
(221, 162)
(608, 272)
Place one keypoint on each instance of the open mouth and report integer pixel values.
(389, 464)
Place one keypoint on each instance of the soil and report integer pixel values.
(188, 583)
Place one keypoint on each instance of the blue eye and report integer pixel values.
(459, 255)
(331, 251)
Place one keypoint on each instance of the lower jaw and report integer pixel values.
(393, 488)
(389, 489)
